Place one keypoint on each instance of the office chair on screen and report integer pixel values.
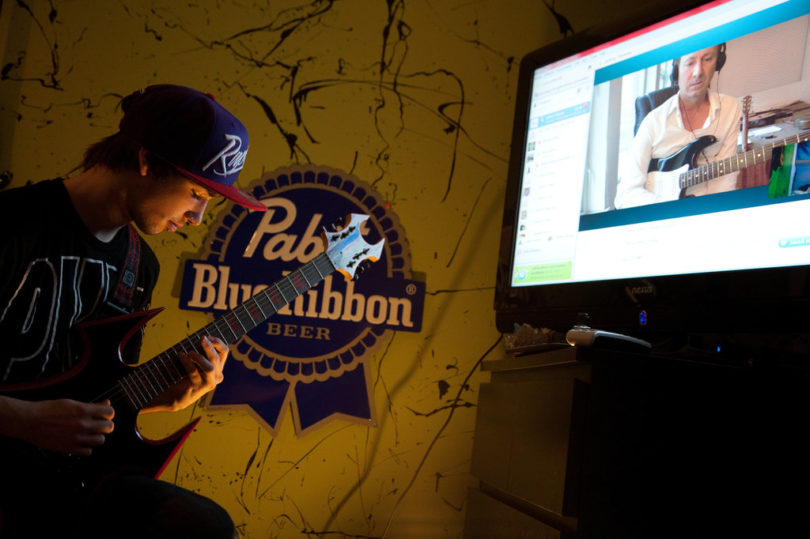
(647, 102)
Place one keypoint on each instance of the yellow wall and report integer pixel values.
(430, 132)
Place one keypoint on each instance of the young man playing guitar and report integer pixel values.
(702, 122)
(71, 255)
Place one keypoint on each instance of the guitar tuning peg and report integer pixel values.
(362, 267)
(337, 224)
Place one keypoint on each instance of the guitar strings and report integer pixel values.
(134, 387)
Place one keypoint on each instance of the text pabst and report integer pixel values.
(214, 290)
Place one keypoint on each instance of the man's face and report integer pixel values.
(169, 203)
(695, 72)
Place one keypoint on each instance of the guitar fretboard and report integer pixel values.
(152, 378)
(737, 162)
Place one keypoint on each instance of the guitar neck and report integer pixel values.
(152, 378)
(737, 162)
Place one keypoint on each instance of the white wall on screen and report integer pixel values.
(772, 65)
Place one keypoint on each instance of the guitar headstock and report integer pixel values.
(746, 105)
(348, 250)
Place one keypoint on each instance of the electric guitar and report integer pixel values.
(99, 376)
(669, 177)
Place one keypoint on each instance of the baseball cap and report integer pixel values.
(194, 133)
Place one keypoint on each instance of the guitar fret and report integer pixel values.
(136, 395)
(314, 274)
(317, 270)
(160, 366)
(169, 364)
(304, 276)
(272, 295)
(319, 259)
(281, 293)
(242, 318)
(143, 392)
(130, 389)
(255, 317)
(127, 393)
(238, 319)
(181, 346)
(327, 263)
(288, 286)
(268, 302)
(258, 305)
(218, 325)
(233, 326)
(150, 391)
(249, 319)
(215, 327)
(158, 378)
(165, 383)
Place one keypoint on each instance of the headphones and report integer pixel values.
(721, 61)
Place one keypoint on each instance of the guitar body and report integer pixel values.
(663, 173)
(124, 450)
(665, 184)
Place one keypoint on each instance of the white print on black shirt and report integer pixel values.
(53, 295)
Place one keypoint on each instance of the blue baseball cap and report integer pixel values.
(191, 131)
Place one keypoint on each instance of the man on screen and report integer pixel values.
(701, 124)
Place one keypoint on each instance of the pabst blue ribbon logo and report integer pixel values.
(312, 352)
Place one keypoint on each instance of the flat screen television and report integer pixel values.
(577, 246)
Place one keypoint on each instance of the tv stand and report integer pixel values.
(590, 442)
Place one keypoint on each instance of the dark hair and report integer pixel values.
(119, 152)
(721, 61)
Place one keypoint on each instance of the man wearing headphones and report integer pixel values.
(686, 121)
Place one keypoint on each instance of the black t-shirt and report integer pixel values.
(54, 274)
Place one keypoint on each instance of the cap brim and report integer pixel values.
(228, 191)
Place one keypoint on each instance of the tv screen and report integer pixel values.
(659, 177)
